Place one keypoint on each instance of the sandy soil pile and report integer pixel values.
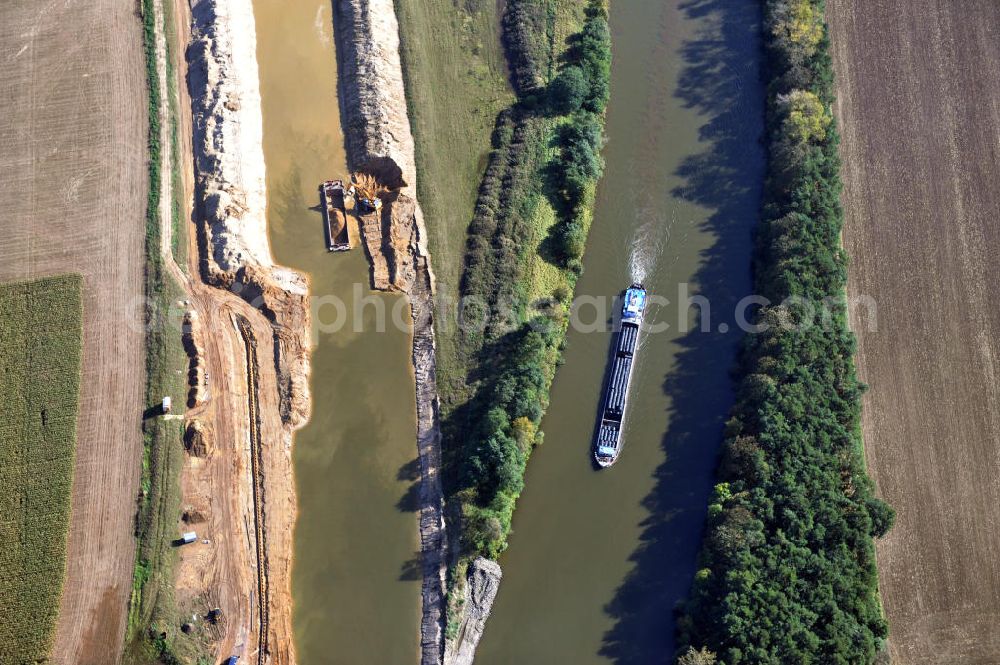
(228, 138)
(232, 204)
(390, 240)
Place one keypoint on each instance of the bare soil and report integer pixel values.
(219, 485)
(73, 196)
(919, 107)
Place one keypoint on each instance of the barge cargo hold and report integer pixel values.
(335, 216)
(608, 442)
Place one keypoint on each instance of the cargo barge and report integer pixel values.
(608, 442)
(335, 216)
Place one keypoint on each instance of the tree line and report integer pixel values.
(787, 567)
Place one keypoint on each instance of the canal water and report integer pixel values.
(599, 560)
(355, 580)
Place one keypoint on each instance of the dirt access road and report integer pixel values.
(919, 107)
(73, 196)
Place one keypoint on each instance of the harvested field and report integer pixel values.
(73, 168)
(39, 389)
(919, 107)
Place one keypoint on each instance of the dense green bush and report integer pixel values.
(568, 91)
(580, 143)
(572, 241)
(497, 451)
(788, 563)
(580, 92)
(593, 51)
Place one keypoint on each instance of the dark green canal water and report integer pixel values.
(598, 560)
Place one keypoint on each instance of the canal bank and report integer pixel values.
(598, 560)
(356, 574)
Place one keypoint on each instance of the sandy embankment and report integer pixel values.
(234, 256)
(379, 141)
(229, 139)
(231, 202)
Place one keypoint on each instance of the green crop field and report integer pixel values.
(40, 337)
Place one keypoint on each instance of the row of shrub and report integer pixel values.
(528, 27)
(510, 406)
(580, 165)
(497, 247)
(580, 92)
(787, 570)
(584, 82)
(545, 148)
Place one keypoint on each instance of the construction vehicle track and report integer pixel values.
(263, 591)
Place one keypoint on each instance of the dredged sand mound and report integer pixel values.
(228, 135)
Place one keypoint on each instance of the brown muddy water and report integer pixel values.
(355, 581)
(598, 560)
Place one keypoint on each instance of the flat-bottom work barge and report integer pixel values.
(335, 216)
(608, 442)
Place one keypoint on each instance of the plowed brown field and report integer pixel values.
(919, 107)
(72, 199)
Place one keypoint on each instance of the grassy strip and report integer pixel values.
(40, 347)
(788, 561)
(527, 236)
(152, 623)
(456, 84)
(178, 246)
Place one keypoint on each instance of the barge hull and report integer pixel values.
(334, 216)
(608, 440)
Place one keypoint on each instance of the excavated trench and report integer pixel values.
(257, 474)
(360, 554)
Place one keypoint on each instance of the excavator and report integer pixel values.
(365, 191)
